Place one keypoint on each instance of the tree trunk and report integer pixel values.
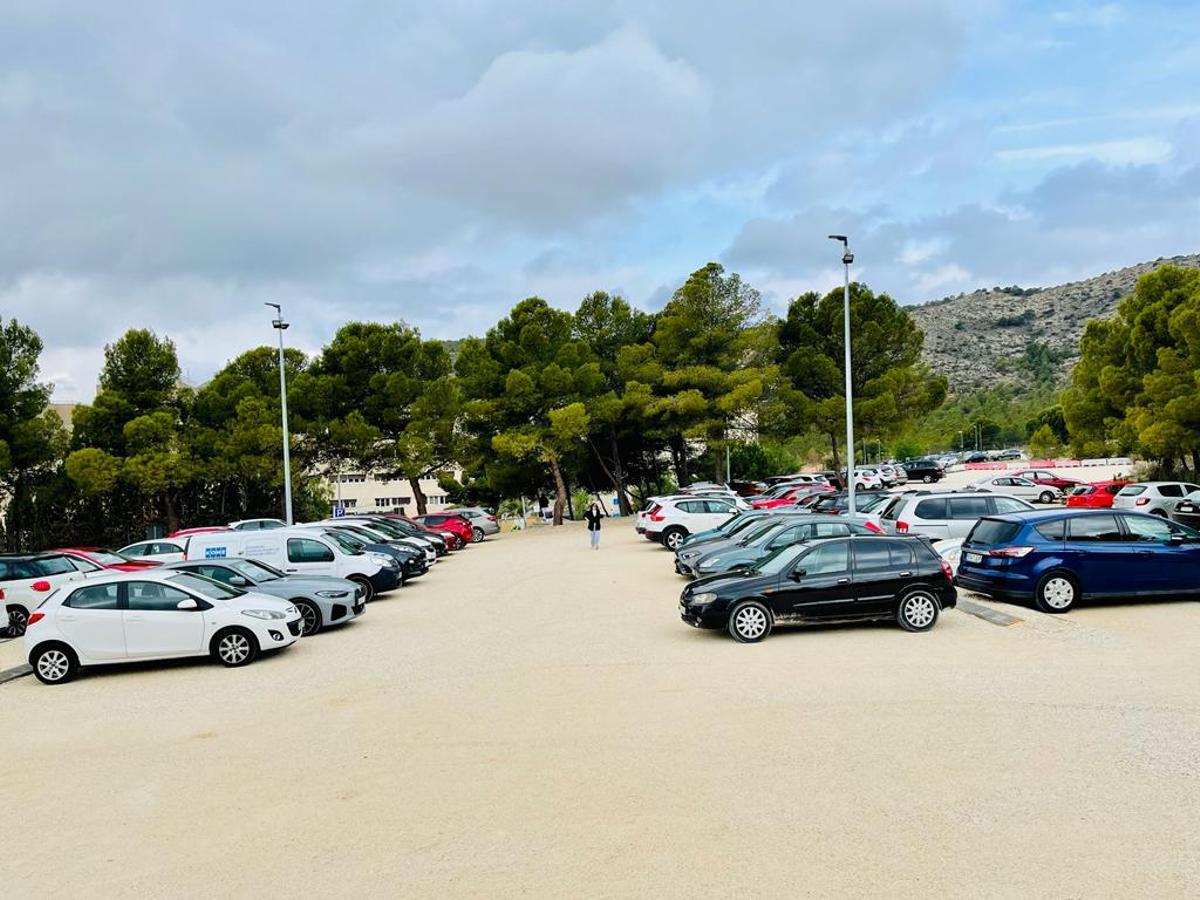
(560, 492)
(836, 466)
(623, 504)
(717, 467)
(418, 495)
(1195, 464)
(679, 458)
(172, 512)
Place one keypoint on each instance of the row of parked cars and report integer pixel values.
(231, 592)
(894, 555)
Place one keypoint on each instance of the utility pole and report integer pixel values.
(279, 325)
(847, 259)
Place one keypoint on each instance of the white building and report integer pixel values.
(364, 492)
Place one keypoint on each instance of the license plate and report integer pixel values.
(973, 557)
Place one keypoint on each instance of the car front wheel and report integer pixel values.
(928, 479)
(673, 538)
(54, 663)
(1046, 497)
(310, 616)
(918, 611)
(235, 647)
(366, 586)
(749, 622)
(1057, 593)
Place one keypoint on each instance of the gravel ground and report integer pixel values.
(532, 719)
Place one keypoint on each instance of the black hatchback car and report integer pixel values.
(861, 578)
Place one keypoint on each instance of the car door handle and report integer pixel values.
(843, 581)
(63, 618)
(906, 574)
(135, 618)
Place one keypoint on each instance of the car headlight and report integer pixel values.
(330, 595)
(703, 599)
(383, 559)
(264, 613)
(709, 563)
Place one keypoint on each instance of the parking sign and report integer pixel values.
(339, 511)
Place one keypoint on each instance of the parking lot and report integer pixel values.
(536, 721)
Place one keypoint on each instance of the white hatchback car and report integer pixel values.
(28, 579)
(1155, 497)
(160, 614)
(154, 551)
(1012, 485)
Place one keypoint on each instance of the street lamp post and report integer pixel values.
(847, 259)
(279, 325)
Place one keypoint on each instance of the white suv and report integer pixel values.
(671, 519)
(944, 516)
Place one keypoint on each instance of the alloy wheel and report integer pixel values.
(920, 610)
(310, 616)
(17, 620)
(233, 648)
(477, 534)
(53, 665)
(750, 622)
(674, 540)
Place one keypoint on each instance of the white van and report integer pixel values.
(299, 551)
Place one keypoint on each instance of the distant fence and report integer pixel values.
(1048, 464)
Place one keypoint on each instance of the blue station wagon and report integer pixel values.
(1056, 558)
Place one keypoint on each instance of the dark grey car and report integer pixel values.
(321, 599)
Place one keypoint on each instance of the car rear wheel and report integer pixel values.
(477, 534)
(1046, 497)
(1161, 513)
(918, 611)
(310, 617)
(673, 538)
(365, 584)
(235, 647)
(18, 618)
(54, 663)
(749, 622)
(1056, 593)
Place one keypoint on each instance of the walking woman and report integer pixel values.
(593, 516)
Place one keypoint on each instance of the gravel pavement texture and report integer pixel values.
(531, 719)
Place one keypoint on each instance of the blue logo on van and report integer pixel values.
(214, 553)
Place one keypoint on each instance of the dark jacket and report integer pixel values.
(593, 519)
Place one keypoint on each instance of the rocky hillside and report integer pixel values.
(1017, 334)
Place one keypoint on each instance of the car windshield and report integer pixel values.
(776, 562)
(1132, 490)
(1083, 489)
(757, 532)
(206, 586)
(393, 527)
(993, 531)
(871, 503)
(256, 571)
(345, 542)
(105, 557)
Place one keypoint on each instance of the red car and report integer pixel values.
(106, 559)
(453, 541)
(1097, 495)
(1048, 478)
(790, 497)
(448, 522)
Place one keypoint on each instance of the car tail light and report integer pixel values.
(871, 526)
(901, 527)
(947, 571)
(655, 517)
(42, 586)
(491, 518)
(1, 593)
(34, 618)
(1142, 501)
(1011, 552)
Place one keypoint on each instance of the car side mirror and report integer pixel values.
(797, 574)
(187, 605)
(238, 581)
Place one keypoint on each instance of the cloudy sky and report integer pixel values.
(174, 165)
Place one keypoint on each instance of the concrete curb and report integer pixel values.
(14, 673)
